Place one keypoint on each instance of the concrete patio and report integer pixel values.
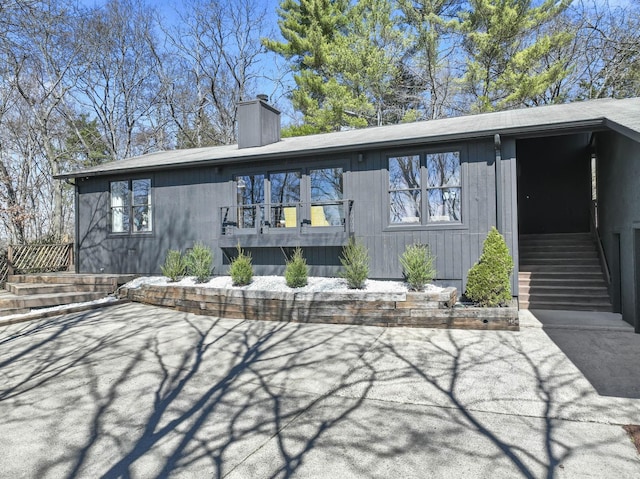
(145, 392)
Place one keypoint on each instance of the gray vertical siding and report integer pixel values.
(509, 207)
(619, 213)
(456, 247)
(185, 210)
(186, 206)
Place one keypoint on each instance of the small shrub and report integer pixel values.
(241, 269)
(297, 271)
(199, 262)
(355, 259)
(174, 266)
(488, 280)
(417, 266)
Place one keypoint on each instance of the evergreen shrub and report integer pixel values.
(297, 271)
(355, 260)
(241, 269)
(417, 266)
(174, 266)
(199, 262)
(488, 281)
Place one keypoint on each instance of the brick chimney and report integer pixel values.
(258, 123)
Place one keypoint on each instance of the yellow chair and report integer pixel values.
(318, 218)
(290, 216)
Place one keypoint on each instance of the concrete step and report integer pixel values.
(578, 289)
(525, 285)
(559, 244)
(562, 259)
(586, 255)
(556, 237)
(556, 249)
(561, 271)
(575, 269)
(561, 297)
(566, 306)
(13, 301)
(547, 246)
(559, 275)
(21, 289)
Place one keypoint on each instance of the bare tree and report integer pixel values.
(117, 74)
(213, 65)
(610, 57)
(38, 50)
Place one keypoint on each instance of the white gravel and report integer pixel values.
(277, 283)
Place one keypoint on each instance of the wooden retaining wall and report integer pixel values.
(431, 310)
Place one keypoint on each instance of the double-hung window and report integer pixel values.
(405, 193)
(425, 188)
(443, 186)
(131, 206)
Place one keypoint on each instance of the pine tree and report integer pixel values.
(312, 29)
(347, 58)
(488, 281)
(510, 60)
(430, 27)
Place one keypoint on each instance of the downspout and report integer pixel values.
(498, 171)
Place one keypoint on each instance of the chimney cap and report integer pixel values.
(263, 97)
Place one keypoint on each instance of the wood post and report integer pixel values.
(71, 258)
(9, 260)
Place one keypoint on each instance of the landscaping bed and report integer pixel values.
(324, 300)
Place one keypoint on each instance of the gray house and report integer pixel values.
(562, 184)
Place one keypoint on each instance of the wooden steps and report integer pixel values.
(22, 289)
(24, 293)
(34, 301)
(561, 271)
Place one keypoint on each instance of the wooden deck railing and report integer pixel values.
(39, 258)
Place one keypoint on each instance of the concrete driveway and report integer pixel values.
(145, 392)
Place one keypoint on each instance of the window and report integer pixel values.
(404, 189)
(443, 186)
(285, 196)
(433, 179)
(283, 201)
(131, 206)
(326, 197)
(250, 199)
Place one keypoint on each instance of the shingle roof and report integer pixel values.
(620, 115)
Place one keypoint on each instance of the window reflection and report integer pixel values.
(444, 192)
(285, 195)
(131, 206)
(404, 189)
(250, 198)
(141, 205)
(119, 206)
(326, 197)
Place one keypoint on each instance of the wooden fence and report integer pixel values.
(4, 267)
(36, 258)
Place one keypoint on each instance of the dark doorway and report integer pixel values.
(554, 184)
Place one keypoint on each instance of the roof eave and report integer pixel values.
(563, 127)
